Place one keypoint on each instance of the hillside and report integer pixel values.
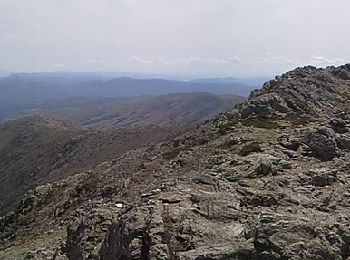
(19, 93)
(268, 179)
(37, 150)
(179, 109)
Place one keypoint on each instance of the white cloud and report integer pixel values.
(59, 66)
(270, 58)
(317, 60)
(189, 60)
(141, 60)
(95, 61)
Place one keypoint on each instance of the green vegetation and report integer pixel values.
(229, 143)
(224, 128)
(171, 154)
(261, 122)
(250, 148)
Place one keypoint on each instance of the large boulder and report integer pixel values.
(322, 143)
(264, 105)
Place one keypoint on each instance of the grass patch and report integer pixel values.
(261, 122)
(224, 128)
(171, 154)
(250, 148)
(229, 143)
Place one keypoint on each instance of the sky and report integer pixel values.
(182, 37)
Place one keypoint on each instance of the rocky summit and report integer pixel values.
(268, 179)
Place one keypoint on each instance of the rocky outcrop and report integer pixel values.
(308, 90)
(324, 141)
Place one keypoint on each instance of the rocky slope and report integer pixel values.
(36, 150)
(266, 180)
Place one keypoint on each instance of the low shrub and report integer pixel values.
(250, 148)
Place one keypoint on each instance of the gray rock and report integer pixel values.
(265, 167)
(322, 177)
(322, 143)
(343, 141)
(267, 104)
(288, 141)
(338, 125)
(267, 164)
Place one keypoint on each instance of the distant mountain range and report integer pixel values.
(122, 84)
(86, 76)
(250, 81)
(23, 92)
(179, 109)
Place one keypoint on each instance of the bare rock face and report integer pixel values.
(268, 179)
(120, 245)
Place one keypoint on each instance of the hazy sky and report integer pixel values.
(197, 37)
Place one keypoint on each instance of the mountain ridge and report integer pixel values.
(20, 94)
(267, 179)
(292, 92)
